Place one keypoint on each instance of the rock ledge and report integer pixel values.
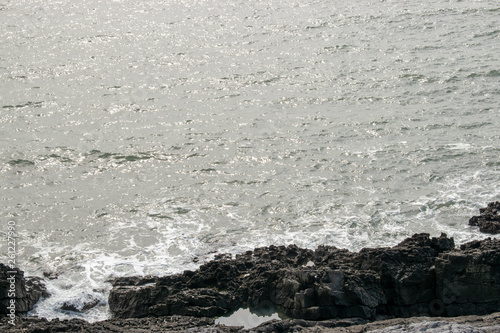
(420, 276)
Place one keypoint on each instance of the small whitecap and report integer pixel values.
(458, 146)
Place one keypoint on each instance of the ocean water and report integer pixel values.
(144, 137)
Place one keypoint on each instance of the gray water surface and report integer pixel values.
(142, 137)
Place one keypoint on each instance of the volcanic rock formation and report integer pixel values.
(489, 218)
(16, 289)
(419, 276)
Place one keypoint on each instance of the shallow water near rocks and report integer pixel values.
(251, 317)
(146, 137)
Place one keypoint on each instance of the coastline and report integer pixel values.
(421, 280)
(487, 324)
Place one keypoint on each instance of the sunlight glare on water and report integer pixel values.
(142, 137)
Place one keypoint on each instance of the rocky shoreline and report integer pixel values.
(463, 324)
(421, 281)
(488, 220)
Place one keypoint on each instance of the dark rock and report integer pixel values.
(322, 291)
(50, 275)
(15, 288)
(489, 218)
(489, 323)
(137, 325)
(406, 273)
(71, 306)
(410, 279)
(468, 280)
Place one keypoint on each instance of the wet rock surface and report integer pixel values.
(24, 293)
(419, 276)
(325, 290)
(423, 283)
(468, 278)
(141, 325)
(488, 220)
(470, 324)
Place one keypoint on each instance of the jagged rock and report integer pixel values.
(16, 289)
(328, 288)
(483, 324)
(402, 281)
(406, 272)
(468, 279)
(419, 276)
(136, 325)
(489, 218)
(79, 308)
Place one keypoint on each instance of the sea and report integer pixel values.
(144, 137)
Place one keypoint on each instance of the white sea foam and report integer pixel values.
(137, 147)
(173, 244)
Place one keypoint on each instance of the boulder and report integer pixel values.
(468, 279)
(16, 289)
(488, 220)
